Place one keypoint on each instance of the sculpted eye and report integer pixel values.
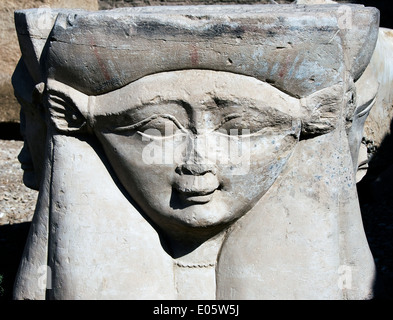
(232, 121)
(238, 124)
(254, 122)
(160, 125)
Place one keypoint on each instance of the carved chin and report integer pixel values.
(29, 179)
(197, 219)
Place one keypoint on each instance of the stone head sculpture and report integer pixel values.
(193, 152)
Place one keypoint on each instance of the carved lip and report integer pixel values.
(196, 188)
(196, 195)
(27, 166)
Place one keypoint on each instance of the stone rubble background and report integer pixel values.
(17, 202)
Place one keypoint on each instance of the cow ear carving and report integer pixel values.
(68, 108)
(323, 111)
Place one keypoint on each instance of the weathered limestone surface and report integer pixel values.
(110, 4)
(378, 124)
(375, 90)
(143, 191)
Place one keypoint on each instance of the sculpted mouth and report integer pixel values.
(196, 189)
(193, 196)
(27, 166)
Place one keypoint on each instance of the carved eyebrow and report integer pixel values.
(224, 102)
(141, 104)
(147, 120)
(138, 114)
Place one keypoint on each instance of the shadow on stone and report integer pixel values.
(12, 242)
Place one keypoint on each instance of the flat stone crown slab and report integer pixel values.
(298, 49)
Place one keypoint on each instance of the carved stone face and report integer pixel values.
(196, 149)
(33, 126)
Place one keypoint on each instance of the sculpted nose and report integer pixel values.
(195, 169)
(196, 161)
